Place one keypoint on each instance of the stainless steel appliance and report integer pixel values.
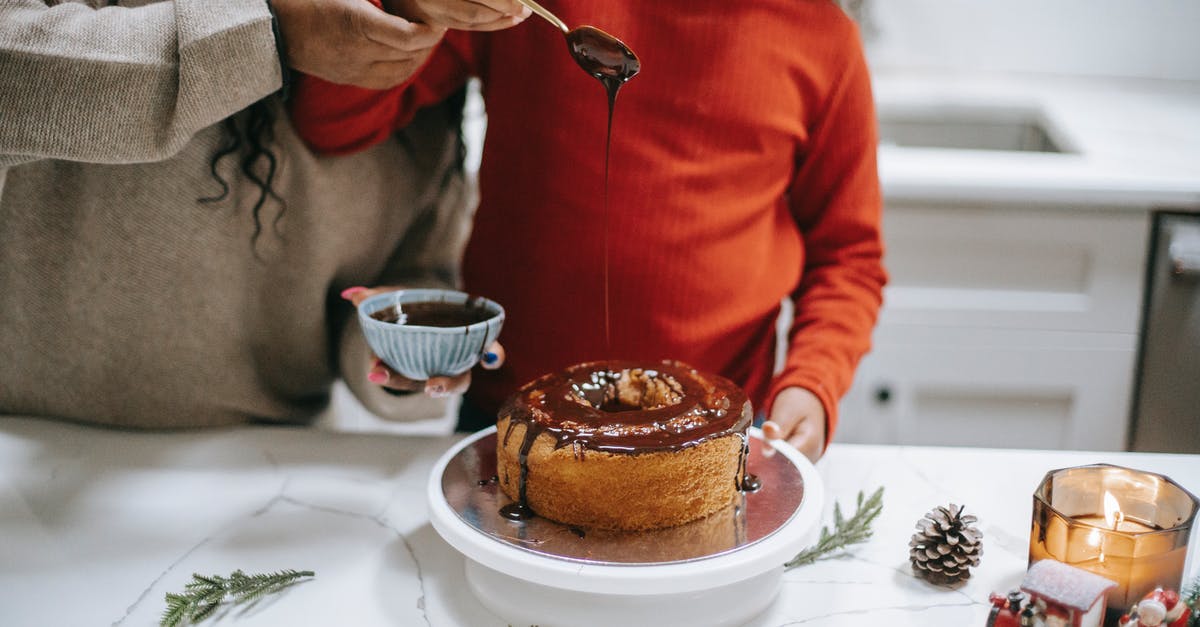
(1166, 406)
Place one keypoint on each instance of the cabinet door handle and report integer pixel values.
(883, 394)
(1184, 252)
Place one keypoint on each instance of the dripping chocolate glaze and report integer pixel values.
(612, 63)
(570, 406)
(603, 56)
(709, 407)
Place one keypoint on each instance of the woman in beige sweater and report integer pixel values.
(168, 262)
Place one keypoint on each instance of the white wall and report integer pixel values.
(1127, 38)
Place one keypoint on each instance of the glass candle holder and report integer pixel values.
(1127, 525)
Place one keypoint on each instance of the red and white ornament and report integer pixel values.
(1160, 608)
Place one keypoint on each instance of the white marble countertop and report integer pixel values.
(97, 525)
(1135, 143)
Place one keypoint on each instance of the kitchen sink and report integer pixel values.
(968, 128)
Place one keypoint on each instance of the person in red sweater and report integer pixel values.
(742, 171)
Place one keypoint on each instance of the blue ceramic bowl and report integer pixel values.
(419, 352)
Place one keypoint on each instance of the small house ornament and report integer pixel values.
(1065, 596)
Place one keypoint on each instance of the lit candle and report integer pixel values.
(1129, 526)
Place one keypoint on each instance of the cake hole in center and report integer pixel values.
(632, 389)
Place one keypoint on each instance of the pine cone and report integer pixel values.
(946, 545)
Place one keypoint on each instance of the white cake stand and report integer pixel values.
(712, 572)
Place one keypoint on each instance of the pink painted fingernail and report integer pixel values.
(377, 376)
(351, 291)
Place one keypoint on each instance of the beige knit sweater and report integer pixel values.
(124, 300)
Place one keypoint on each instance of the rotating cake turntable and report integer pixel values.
(720, 570)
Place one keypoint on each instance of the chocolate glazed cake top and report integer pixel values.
(629, 407)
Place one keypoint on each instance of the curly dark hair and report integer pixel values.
(248, 136)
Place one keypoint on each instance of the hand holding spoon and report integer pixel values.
(603, 56)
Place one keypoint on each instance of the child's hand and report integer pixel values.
(798, 417)
(480, 15)
(437, 387)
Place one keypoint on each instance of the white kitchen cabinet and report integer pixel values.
(1003, 326)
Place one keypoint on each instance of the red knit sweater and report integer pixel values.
(742, 171)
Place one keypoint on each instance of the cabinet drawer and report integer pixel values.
(1027, 268)
(992, 388)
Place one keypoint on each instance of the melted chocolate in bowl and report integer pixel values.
(436, 314)
(625, 407)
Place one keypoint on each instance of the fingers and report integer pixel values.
(511, 8)
(399, 33)
(344, 42)
(355, 294)
(493, 358)
(500, 23)
(477, 15)
(358, 293)
(381, 374)
(808, 442)
(798, 417)
(441, 387)
(801, 435)
(770, 431)
(436, 387)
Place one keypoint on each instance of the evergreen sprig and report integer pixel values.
(1191, 596)
(204, 594)
(846, 531)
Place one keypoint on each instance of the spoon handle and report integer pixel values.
(550, 17)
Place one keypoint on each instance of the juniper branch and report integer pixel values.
(846, 531)
(204, 594)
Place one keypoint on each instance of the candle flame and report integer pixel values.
(1112, 510)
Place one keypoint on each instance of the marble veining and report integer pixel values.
(97, 525)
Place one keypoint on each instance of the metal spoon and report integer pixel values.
(603, 56)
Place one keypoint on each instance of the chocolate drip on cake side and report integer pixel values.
(745, 481)
(520, 509)
(677, 407)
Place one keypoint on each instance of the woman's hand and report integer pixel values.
(352, 42)
(481, 15)
(798, 417)
(437, 387)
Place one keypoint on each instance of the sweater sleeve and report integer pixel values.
(343, 119)
(836, 201)
(122, 85)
